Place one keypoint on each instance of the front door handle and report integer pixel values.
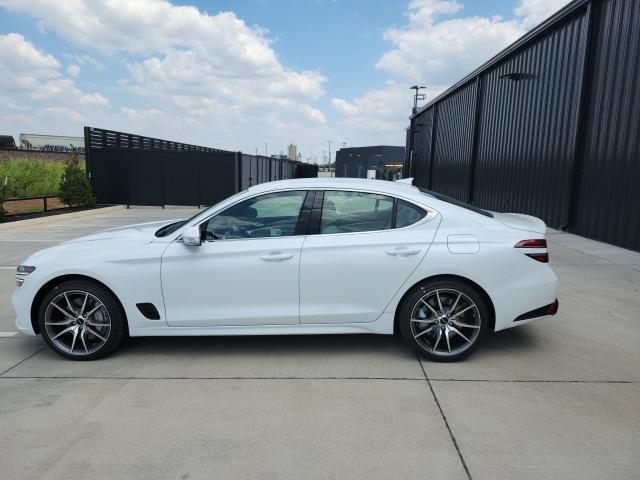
(403, 252)
(276, 257)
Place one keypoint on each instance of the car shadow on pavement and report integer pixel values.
(504, 342)
(293, 345)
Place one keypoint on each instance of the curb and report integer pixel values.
(55, 218)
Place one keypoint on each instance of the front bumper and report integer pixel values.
(22, 299)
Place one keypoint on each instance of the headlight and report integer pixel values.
(22, 272)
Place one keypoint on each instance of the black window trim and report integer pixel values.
(203, 222)
(316, 213)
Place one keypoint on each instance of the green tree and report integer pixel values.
(75, 189)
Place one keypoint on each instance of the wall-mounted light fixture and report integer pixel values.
(515, 76)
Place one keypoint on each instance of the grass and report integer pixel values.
(30, 178)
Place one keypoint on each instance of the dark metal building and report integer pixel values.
(354, 162)
(550, 126)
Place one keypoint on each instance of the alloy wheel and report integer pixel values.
(77, 322)
(445, 322)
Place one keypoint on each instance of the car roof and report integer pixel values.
(383, 186)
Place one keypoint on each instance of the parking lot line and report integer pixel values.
(8, 334)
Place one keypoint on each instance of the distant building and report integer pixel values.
(6, 141)
(361, 162)
(293, 151)
(51, 143)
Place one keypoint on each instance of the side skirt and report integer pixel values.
(384, 325)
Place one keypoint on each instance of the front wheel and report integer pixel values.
(81, 320)
(444, 320)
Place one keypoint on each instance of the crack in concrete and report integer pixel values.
(446, 422)
(22, 361)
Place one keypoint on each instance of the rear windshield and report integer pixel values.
(458, 203)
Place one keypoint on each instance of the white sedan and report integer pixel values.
(305, 256)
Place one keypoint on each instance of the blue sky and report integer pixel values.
(237, 74)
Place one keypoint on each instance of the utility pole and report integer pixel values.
(329, 152)
(266, 149)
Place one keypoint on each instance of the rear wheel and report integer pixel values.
(444, 320)
(81, 320)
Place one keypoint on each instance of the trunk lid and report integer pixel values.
(520, 221)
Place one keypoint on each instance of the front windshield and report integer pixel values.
(172, 227)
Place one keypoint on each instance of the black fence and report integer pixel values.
(134, 170)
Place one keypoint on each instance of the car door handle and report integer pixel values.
(403, 252)
(276, 257)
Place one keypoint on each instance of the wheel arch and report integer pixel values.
(54, 282)
(471, 283)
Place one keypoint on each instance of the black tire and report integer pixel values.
(457, 328)
(110, 315)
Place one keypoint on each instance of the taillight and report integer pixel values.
(535, 243)
(540, 243)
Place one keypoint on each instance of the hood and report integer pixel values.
(144, 232)
(520, 221)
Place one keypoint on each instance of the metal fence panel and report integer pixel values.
(217, 176)
(144, 177)
(107, 173)
(181, 177)
(132, 169)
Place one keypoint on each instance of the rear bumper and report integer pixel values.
(545, 311)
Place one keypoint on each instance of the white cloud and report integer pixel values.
(533, 12)
(436, 51)
(220, 46)
(344, 107)
(84, 59)
(20, 57)
(73, 70)
(209, 77)
(33, 90)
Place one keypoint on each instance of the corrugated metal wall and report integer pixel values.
(422, 148)
(608, 197)
(549, 127)
(527, 127)
(451, 161)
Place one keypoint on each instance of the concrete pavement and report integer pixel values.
(555, 399)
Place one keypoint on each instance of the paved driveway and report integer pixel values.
(556, 399)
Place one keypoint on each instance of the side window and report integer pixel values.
(408, 214)
(344, 212)
(270, 215)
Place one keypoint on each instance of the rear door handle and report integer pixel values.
(403, 252)
(276, 257)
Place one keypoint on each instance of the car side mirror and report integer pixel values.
(191, 236)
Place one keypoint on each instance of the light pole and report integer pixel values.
(417, 96)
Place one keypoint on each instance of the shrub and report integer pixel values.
(2, 210)
(30, 178)
(75, 189)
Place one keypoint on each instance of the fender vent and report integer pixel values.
(149, 310)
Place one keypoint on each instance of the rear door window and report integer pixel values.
(348, 212)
